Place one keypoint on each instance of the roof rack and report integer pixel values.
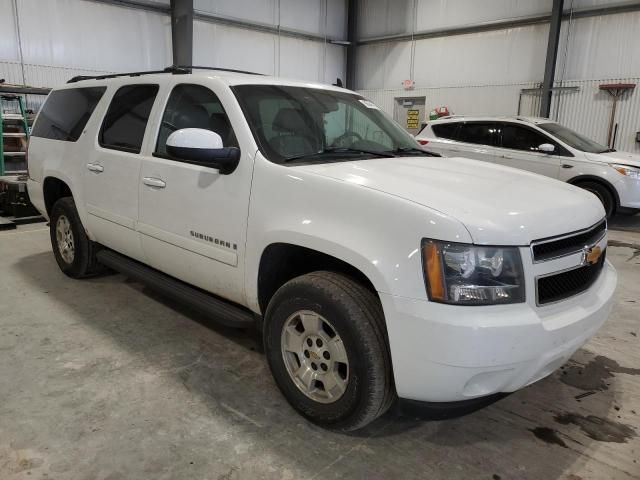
(173, 69)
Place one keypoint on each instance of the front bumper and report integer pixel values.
(445, 353)
(628, 192)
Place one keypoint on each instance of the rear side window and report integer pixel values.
(126, 120)
(66, 113)
(479, 133)
(445, 130)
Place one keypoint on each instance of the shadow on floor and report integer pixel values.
(224, 368)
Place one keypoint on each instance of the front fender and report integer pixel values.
(374, 232)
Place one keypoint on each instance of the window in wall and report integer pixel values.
(126, 120)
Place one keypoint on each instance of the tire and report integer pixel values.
(74, 252)
(604, 195)
(363, 384)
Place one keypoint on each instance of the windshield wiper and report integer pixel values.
(334, 150)
(414, 150)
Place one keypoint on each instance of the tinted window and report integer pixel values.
(124, 124)
(479, 133)
(66, 112)
(194, 106)
(521, 138)
(316, 125)
(445, 130)
(573, 139)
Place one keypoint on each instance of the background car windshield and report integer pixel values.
(573, 139)
(298, 122)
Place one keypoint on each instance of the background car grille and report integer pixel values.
(566, 284)
(545, 250)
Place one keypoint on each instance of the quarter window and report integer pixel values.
(445, 130)
(66, 113)
(126, 120)
(194, 106)
(480, 133)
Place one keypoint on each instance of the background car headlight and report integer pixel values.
(463, 274)
(626, 170)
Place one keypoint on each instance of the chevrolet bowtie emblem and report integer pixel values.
(591, 255)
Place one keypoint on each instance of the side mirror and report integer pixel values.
(546, 148)
(202, 147)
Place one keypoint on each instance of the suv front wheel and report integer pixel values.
(74, 252)
(603, 194)
(326, 345)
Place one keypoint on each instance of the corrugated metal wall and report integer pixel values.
(483, 73)
(64, 38)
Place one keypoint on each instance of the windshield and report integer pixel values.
(573, 139)
(313, 125)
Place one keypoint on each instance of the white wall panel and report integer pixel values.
(230, 47)
(499, 57)
(8, 36)
(81, 34)
(383, 65)
(439, 14)
(263, 11)
(384, 17)
(600, 47)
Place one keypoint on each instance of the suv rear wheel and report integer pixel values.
(74, 252)
(326, 346)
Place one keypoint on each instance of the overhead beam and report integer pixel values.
(352, 32)
(182, 31)
(501, 24)
(552, 55)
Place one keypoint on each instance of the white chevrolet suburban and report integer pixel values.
(542, 146)
(374, 269)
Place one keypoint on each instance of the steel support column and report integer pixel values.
(552, 55)
(182, 31)
(352, 32)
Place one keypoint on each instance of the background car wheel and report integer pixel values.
(603, 194)
(73, 250)
(327, 348)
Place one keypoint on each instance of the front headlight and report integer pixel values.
(463, 274)
(627, 171)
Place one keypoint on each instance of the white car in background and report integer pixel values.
(545, 147)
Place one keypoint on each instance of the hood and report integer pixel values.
(623, 158)
(498, 205)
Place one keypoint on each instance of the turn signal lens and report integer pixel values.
(433, 269)
(627, 171)
(423, 142)
(466, 274)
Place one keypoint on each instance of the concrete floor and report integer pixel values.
(101, 379)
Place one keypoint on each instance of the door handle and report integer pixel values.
(94, 167)
(566, 165)
(154, 182)
(507, 156)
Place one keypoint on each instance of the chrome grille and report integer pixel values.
(547, 249)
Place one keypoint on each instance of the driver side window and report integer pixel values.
(194, 106)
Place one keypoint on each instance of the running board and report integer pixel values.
(221, 311)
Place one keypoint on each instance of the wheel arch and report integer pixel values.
(595, 179)
(282, 261)
(53, 189)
